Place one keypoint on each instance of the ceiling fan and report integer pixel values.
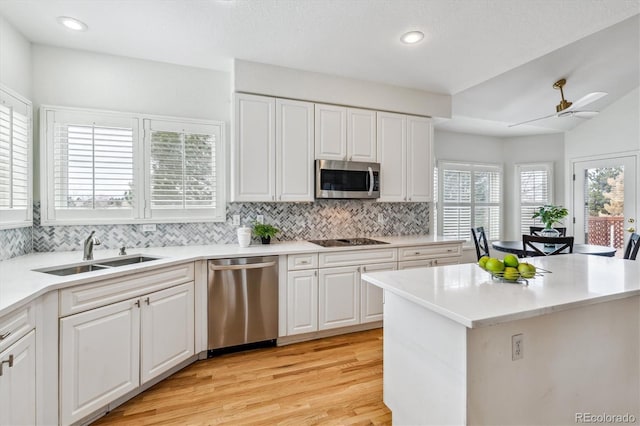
(570, 109)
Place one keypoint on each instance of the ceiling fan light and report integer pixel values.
(412, 37)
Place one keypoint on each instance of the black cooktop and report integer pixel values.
(346, 242)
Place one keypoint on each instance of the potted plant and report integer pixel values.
(550, 214)
(264, 231)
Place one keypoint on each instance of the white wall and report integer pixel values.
(253, 77)
(530, 149)
(15, 60)
(615, 130)
(77, 78)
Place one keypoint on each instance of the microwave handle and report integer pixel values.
(370, 180)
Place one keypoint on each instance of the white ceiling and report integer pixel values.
(470, 47)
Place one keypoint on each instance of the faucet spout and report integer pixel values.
(88, 246)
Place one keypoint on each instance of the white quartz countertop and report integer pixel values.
(467, 294)
(19, 283)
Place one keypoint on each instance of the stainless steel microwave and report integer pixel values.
(347, 179)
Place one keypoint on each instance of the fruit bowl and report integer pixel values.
(509, 270)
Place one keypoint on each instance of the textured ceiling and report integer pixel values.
(467, 42)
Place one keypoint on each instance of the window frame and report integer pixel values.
(441, 166)
(140, 213)
(534, 166)
(12, 218)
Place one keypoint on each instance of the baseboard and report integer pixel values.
(288, 340)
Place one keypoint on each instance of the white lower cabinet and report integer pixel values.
(302, 301)
(108, 351)
(18, 382)
(338, 297)
(371, 296)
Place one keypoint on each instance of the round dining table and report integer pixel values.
(515, 247)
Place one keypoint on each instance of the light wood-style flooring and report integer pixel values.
(333, 381)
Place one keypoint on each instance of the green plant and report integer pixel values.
(264, 230)
(550, 214)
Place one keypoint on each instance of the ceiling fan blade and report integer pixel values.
(535, 119)
(586, 100)
(585, 114)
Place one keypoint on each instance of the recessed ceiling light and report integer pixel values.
(412, 37)
(72, 23)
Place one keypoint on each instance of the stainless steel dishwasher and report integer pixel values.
(242, 301)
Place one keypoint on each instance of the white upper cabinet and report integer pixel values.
(253, 152)
(345, 133)
(405, 145)
(272, 150)
(331, 133)
(392, 155)
(361, 135)
(294, 150)
(419, 159)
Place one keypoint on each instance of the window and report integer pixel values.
(15, 160)
(469, 195)
(104, 167)
(534, 183)
(182, 168)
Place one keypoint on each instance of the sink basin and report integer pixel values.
(97, 265)
(126, 261)
(71, 270)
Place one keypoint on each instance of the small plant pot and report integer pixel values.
(265, 240)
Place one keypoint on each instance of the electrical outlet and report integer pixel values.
(380, 218)
(260, 218)
(517, 347)
(149, 227)
(236, 220)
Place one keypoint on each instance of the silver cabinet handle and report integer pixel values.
(147, 301)
(304, 262)
(450, 250)
(315, 273)
(9, 361)
(358, 269)
(364, 269)
(235, 267)
(137, 303)
(417, 253)
(5, 335)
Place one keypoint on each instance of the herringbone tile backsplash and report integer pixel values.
(297, 221)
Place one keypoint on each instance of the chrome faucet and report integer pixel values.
(88, 246)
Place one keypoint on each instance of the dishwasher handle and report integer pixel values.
(213, 267)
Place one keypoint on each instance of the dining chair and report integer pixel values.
(535, 230)
(632, 247)
(561, 244)
(480, 239)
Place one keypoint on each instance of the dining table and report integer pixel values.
(515, 247)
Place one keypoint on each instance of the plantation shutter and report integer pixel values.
(92, 157)
(15, 160)
(535, 189)
(183, 173)
(470, 195)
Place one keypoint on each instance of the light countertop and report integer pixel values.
(19, 283)
(467, 294)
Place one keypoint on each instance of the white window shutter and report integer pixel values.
(535, 183)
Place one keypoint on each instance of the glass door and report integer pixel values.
(605, 201)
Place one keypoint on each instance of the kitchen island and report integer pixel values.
(461, 348)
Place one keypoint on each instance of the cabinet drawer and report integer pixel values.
(357, 257)
(15, 325)
(411, 264)
(429, 251)
(89, 296)
(297, 262)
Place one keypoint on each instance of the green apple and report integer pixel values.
(511, 273)
(527, 270)
(482, 262)
(494, 265)
(510, 260)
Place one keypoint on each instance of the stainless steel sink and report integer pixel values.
(126, 261)
(72, 270)
(96, 265)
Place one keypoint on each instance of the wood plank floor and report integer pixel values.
(333, 381)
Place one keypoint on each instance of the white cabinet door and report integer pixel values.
(18, 382)
(167, 330)
(371, 296)
(253, 153)
(99, 358)
(419, 159)
(392, 155)
(361, 135)
(330, 132)
(338, 297)
(302, 301)
(294, 150)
